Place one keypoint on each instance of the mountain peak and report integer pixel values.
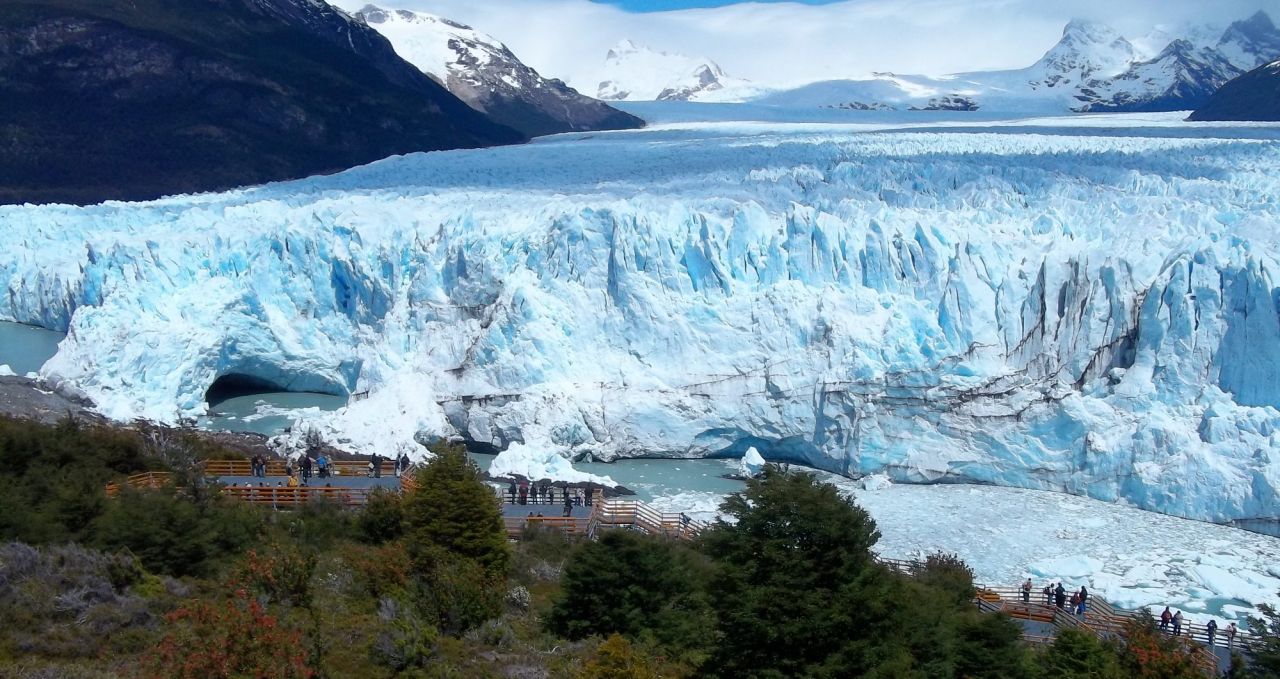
(1251, 42)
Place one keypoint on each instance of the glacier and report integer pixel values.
(1085, 309)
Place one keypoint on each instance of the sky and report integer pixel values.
(790, 43)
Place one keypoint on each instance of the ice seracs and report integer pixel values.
(1089, 310)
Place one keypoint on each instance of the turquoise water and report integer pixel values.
(26, 348)
(267, 413)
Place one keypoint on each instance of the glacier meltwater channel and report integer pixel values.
(1084, 309)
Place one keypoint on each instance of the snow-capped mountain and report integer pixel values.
(1087, 51)
(1091, 68)
(636, 73)
(1253, 96)
(481, 71)
(1251, 43)
(1182, 77)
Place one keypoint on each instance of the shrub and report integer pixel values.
(457, 593)
(280, 574)
(382, 518)
(231, 638)
(615, 658)
(635, 585)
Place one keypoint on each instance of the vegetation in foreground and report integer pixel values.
(180, 583)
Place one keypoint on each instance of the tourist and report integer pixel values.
(322, 466)
(524, 493)
(568, 504)
(1177, 624)
(1231, 634)
(1083, 598)
(1026, 591)
(377, 466)
(306, 468)
(403, 465)
(255, 463)
(1060, 595)
(587, 495)
(511, 493)
(1075, 603)
(1212, 630)
(1165, 618)
(1048, 594)
(293, 481)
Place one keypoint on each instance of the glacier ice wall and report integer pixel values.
(1091, 312)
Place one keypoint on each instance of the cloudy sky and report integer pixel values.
(779, 43)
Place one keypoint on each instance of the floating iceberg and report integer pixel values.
(751, 463)
(1087, 310)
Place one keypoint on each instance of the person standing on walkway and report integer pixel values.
(1081, 605)
(1177, 624)
(511, 493)
(1231, 634)
(1026, 591)
(524, 493)
(568, 503)
(306, 469)
(1212, 630)
(322, 463)
(1165, 618)
(1048, 594)
(377, 466)
(1060, 595)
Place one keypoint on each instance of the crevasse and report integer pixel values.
(1051, 308)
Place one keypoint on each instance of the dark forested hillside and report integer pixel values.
(135, 99)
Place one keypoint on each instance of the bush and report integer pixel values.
(280, 574)
(617, 659)
(173, 535)
(71, 602)
(231, 638)
(382, 518)
(635, 585)
(1079, 655)
(457, 593)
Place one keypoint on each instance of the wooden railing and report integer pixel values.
(279, 497)
(1101, 618)
(144, 480)
(569, 525)
(637, 515)
(276, 467)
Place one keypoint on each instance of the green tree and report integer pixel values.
(795, 586)
(1079, 655)
(950, 576)
(640, 586)
(453, 510)
(1264, 644)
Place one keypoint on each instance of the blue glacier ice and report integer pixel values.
(1087, 308)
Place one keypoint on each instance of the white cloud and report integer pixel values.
(784, 43)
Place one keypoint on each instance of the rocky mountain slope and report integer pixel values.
(135, 99)
(1253, 96)
(481, 71)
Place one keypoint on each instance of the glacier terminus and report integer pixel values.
(1086, 305)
